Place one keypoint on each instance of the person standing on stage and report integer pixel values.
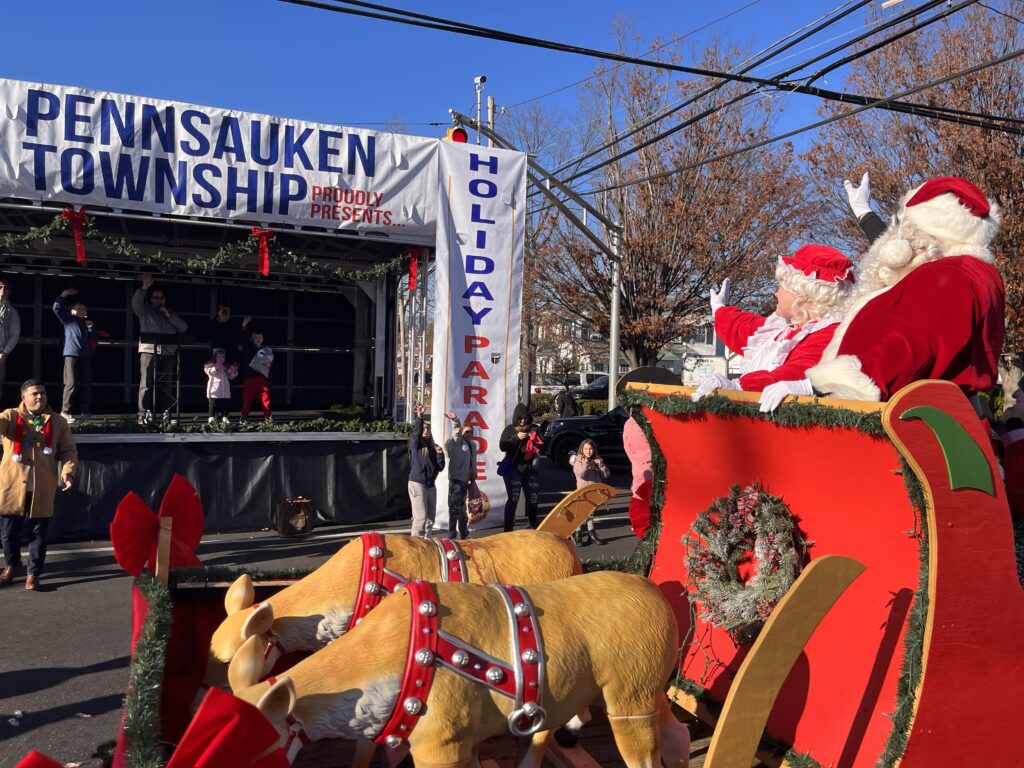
(256, 377)
(10, 329)
(79, 340)
(159, 331)
(39, 458)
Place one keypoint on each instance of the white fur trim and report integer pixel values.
(844, 378)
(958, 231)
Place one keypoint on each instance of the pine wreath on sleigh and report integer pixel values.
(749, 526)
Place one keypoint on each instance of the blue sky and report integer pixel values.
(280, 59)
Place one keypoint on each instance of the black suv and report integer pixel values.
(563, 436)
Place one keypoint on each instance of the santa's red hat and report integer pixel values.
(820, 262)
(954, 212)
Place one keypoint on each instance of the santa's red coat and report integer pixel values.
(734, 327)
(944, 320)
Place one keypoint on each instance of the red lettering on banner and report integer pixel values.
(475, 368)
(314, 209)
(475, 419)
(475, 342)
(480, 467)
(480, 442)
(471, 393)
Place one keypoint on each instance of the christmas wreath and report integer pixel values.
(746, 525)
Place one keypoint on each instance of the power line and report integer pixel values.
(988, 122)
(433, 22)
(765, 56)
(771, 140)
(674, 41)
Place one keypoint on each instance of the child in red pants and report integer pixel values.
(257, 375)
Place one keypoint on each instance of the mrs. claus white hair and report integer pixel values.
(815, 299)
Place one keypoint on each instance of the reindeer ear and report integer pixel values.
(240, 595)
(277, 703)
(259, 622)
(246, 666)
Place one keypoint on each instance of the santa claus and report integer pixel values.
(928, 303)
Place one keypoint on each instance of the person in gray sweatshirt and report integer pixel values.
(159, 331)
(461, 472)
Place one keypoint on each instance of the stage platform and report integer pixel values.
(350, 477)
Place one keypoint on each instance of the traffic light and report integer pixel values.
(458, 135)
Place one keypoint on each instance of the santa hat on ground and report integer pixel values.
(818, 263)
(956, 213)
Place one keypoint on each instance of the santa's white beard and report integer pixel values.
(896, 253)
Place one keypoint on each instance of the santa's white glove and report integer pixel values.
(775, 393)
(720, 297)
(859, 197)
(712, 382)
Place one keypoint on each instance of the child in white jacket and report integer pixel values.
(218, 389)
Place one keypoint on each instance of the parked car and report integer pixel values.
(595, 390)
(563, 436)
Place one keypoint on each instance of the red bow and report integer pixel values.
(38, 760)
(135, 529)
(414, 260)
(228, 731)
(264, 236)
(77, 219)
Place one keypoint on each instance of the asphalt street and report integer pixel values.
(64, 650)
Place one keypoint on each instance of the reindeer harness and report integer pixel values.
(377, 581)
(522, 680)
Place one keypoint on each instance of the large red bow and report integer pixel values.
(263, 236)
(38, 760)
(77, 219)
(135, 529)
(228, 731)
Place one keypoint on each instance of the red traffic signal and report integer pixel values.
(458, 135)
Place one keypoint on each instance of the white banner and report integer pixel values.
(478, 302)
(85, 147)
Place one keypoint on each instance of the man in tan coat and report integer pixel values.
(36, 443)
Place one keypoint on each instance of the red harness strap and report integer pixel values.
(522, 680)
(419, 665)
(527, 659)
(375, 581)
(297, 736)
(453, 564)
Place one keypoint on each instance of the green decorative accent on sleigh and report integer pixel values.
(966, 463)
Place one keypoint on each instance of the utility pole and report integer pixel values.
(490, 119)
(478, 82)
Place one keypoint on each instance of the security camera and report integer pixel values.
(480, 79)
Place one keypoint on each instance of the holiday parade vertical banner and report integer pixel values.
(479, 289)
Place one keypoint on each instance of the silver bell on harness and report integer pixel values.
(526, 720)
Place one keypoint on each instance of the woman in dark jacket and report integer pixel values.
(427, 461)
(516, 442)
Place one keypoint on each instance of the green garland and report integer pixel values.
(228, 255)
(719, 541)
(128, 425)
(142, 703)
